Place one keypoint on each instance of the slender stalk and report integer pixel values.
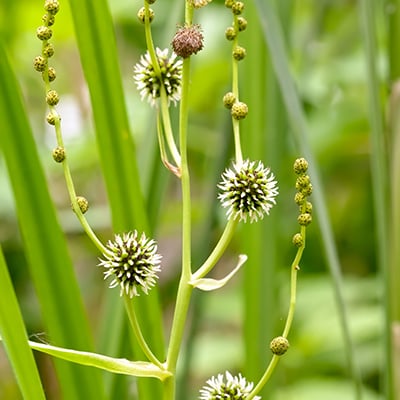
(138, 333)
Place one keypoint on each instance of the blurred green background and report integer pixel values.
(325, 49)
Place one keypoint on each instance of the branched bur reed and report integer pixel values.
(247, 191)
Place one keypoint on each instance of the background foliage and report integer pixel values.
(327, 43)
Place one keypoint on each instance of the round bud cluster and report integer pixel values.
(188, 40)
(229, 99)
(59, 154)
(142, 15)
(239, 110)
(237, 7)
(279, 345)
(239, 53)
(52, 98)
(304, 189)
(52, 118)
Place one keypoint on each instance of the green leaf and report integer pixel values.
(50, 265)
(13, 334)
(116, 365)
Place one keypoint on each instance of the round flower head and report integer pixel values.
(133, 262)
(227, 387)
(148, 83)
(248, 191)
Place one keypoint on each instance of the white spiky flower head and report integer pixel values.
(248, 190)
(149, 84)
(227, 387)
(132, 261)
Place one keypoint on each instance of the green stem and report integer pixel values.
(218, 251)
(138, 333)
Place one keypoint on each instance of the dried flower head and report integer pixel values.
(133, 261)
(149, 84)
(227, 387)
(188, 40)
(248, 190)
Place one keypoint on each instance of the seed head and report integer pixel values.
(148, 83)
(227, 387)
(248, 191)
(188, 40)
(132, 261)
(279, 345)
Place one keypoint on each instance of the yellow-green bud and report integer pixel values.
(51, 73)
(239, 110)
(52, 6)
(142, 15)
(230, 33)
(298, 240)
(237, 7)
(304, 219)
(52, 98)
(300, 166)
(302, 182)
(242, 23)
(59, 154)
(299, 198)
(39, 63)
(229, 99)
(309, 207)
(307, 190)
(239, 53)
(48, 50)
(51, 118)
(229, 3)
(48, 19)
(82, 203)
(279, 345)
(44, 33)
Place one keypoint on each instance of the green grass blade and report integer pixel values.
(97, 47)
(15, 339)
(45, 245)
(379, 172)
(274, 37)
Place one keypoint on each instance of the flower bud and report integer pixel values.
(237, 7)
(302, 182)
(298, 240)
(48, 19)
(39, 63)
(300, 166)
(230, 33)
(48, 50)
(229, 99)
(309, 207)
(239, 53)
(279, 345)
(52, 6)
(52, 98)
(304, 219)
(44, 33)
(51, 73)
(59, 154)
(188, 40)
(52, 118)
(142, 15)
(239, 110)
(242, 23)
(229, 3)
(82, 203)
(299, 198)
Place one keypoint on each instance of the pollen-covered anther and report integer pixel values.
(52, 6)
(239, 53)
(58, 154)
(188, 40)
(248, 191)
(133, 263)
(279, 345)
(239, 110)
(52, 98)
(44, 33)
(39, 63)
(142, 15)
(237, 7)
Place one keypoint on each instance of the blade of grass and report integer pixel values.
(15, 339)
(274, 38)
(97, 47)
(379, 170)
(44, 242)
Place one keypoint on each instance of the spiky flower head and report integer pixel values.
(227, 387)
(133, 262)
(149, 84)
(248, 190)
